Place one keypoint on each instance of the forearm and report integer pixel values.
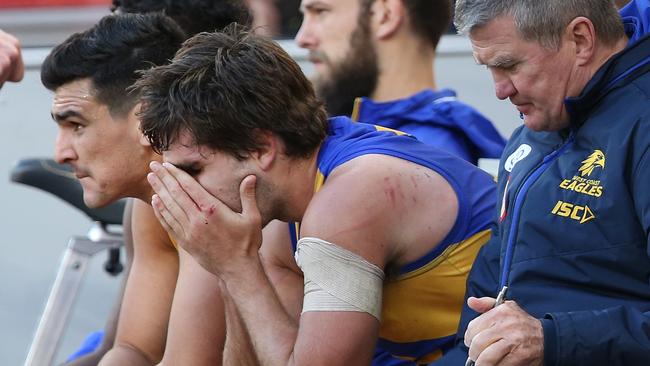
(123, 355)
(614, 336)
(239, 348)
(272, 331)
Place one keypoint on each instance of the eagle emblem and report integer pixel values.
(597, 158)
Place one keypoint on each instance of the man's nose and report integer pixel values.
(63, 150)
(305, 36)
(503, 86)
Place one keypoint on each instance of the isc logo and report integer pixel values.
(581, 214)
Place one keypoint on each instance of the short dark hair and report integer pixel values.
(225, 88)
(430, 19)
(193, 16)
(111, 53)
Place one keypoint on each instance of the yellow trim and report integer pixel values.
(435, 295)
(479, 238)
(174, 243)
(356, 110)
(320, 180)
(397, 132)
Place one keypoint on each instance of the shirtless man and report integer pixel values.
(388, 226)
(168, 307)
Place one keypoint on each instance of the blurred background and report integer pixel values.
(36, 226)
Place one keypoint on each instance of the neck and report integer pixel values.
(297, 177)
(142, 190)
(408, 74)
(601, 56)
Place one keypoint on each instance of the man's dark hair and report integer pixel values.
(111, 53)
(430, 19)
(224, 89)
(193, 16)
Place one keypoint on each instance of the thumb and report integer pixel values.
(248, 198)
(481, 305)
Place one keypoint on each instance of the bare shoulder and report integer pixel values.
(146, 229)
(391, 205)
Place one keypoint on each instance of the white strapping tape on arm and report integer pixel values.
(337, 279)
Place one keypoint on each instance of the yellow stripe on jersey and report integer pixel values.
(356, 111)
(435, 312)
(397, 132)
(318, 183)
(174, 243)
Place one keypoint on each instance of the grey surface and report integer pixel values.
(36, 226)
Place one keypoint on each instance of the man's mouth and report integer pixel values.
(80, 175)
(524, 108)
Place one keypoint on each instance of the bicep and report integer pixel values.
(150, 286)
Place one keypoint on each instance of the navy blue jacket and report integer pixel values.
(572, 241)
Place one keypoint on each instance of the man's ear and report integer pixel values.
(134, 122)
(269, 147)
(387, 16)
(582, 33)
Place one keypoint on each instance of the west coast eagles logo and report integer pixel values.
(596, 159)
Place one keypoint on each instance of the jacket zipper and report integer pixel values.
(518, 203)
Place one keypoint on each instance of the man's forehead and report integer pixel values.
(184, 150)
(73, 99)
(495, 42)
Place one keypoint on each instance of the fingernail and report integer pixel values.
(154, 165)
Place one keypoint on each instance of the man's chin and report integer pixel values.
(92, 200)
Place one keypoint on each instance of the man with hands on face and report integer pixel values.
(388, 226)
(571, 243)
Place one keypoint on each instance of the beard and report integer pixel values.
(355, 76)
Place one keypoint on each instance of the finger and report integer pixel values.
(248, 197)
(13, 67)
(481, 305)
(203, 200)
(483, 340)
(18, 70)
(476, 326)
(167, 221)
(495, 354)
(168, 199)
(171, 189)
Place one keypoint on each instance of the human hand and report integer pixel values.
(221, 240)
(503, 335)
(11, 60)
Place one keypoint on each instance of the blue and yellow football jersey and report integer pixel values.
(422, 302)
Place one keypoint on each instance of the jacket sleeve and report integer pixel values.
(483, 280)
(613, 336)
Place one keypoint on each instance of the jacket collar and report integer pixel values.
(367, 109)
(620, 69)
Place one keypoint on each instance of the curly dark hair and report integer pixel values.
(225, 88)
